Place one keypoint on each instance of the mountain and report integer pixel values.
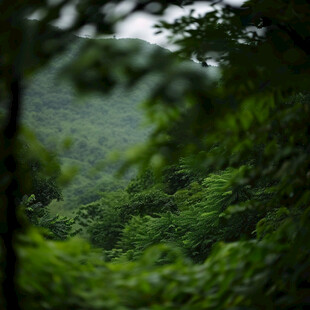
(93, 125)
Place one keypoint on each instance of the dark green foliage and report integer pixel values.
(41, 187)
(105, 218)
(195, 226)
(245, 274)
(149, 202)
(176, 177)
(105, 232)
(34, 210)
(142, 182)
(42, 171)
(56, 227)
(250, 129)
(102, 220)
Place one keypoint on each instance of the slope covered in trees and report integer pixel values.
(84, 132)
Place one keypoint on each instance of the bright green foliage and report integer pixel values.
(195, 226)
(105, 218)
(194, 222)
(201, 224)
(142, 232)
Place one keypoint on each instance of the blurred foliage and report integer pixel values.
(245, 274)
(248, 131)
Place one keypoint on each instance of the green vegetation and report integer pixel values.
(218, 215)
(84, 131)
(192, 219)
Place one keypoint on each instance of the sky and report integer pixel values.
(140, 25)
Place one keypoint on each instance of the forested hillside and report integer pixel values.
(217, 214)
(83, 132)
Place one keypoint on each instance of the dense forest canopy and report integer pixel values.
(91, 127)
(218, 217)
(84, 131)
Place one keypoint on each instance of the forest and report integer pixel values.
(134, 177)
